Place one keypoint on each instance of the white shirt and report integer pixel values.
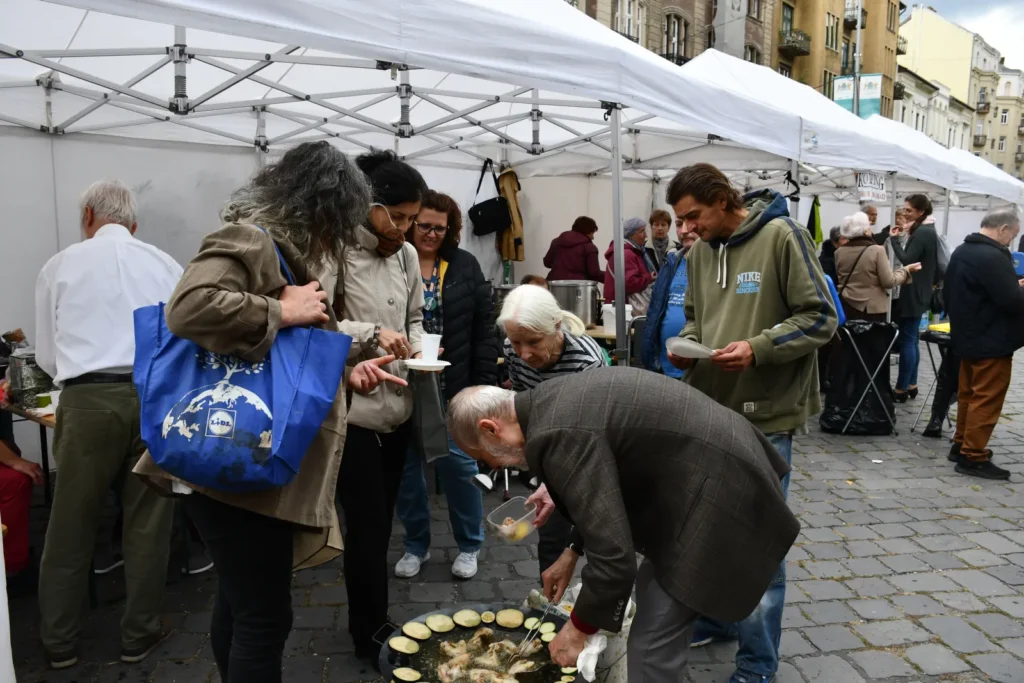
(85, 299)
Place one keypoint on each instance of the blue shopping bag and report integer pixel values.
(227, 424)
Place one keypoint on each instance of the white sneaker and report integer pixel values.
(409, 565)
(464, 566)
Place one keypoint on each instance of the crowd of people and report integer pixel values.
(364, 247)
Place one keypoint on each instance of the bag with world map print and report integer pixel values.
(227, 424)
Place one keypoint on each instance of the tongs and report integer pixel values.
(531, 635)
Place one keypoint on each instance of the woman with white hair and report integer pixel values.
(544, 342)
(865, 275)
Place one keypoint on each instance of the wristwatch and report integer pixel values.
(375, 342)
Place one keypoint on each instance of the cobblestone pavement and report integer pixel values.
(904, 571)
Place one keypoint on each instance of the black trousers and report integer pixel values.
(946, 387)
(371, 472)
(553, 540)
(252, 611)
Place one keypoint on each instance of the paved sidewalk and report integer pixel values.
(904, 571)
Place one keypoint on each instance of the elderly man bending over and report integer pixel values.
(699, 498)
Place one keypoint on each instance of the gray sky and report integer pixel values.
(999, 22)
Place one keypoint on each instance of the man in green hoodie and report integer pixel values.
(758, 297)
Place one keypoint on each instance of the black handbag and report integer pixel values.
(493, 215)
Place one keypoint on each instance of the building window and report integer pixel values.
(1007, 90)
(917, 122)
(786, 70)
(828, 84)
(993, 145)
(846, 56)
(832, 32)
(903, 114)
(1005, 118)
(982, 94)
(754, 8)
(893, 19)
(633, 20)
(980, 129)
(1002, 143)
(752, 54)
(999, 166)
(787, 18)
(676, 33)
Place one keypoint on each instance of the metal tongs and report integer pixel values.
(531, 635)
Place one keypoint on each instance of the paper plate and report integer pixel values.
(426, 365)
(687, 348)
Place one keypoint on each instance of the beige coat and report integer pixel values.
(386, 292)
(867, 289)
(226, 302)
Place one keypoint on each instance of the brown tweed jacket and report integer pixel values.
(701, 499)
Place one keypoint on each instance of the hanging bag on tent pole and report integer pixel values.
(228, 424)
(492, 215)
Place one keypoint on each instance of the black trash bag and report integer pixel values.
(849, 380)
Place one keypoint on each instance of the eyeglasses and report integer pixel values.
(427, 228)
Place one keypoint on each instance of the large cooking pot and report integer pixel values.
(427, 659)
(578, 297)
(498, 294)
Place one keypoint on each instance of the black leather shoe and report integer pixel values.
(912, 393)
(899, 396)
(984, 469)
(934, 428)
(954, 453)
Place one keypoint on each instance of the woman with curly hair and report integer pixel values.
(458, 307)
(233, 299)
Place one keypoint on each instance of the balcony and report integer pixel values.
(794, 43)
(675, 58)
(1020, 130)
(980, 140)
(898, 90)
(983, 107)
(626, 35)
(901, 45)
(1019, 157)
(850, 17)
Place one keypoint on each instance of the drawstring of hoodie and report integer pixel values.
(723, 267)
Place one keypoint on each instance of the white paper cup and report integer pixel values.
(431, 346)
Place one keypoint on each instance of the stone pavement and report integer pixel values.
(904, 571)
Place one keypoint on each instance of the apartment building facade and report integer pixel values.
(929, 107)
(1006, 129)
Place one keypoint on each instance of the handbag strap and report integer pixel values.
(280, 257)
(488, 164)
(850, 274)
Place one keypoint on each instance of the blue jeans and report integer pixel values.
(760, 633)
(910, 352)
(465, 502)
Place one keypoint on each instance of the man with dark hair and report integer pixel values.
(757, 295)
(985, 303)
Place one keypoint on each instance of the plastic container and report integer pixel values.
(608, 316)
(517, 510)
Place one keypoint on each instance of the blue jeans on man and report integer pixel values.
(465, 503)
(759, 634)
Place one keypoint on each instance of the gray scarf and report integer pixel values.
(660, 248)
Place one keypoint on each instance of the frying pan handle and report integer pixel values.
(380, 636)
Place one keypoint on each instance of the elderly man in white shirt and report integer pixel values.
(85, 299)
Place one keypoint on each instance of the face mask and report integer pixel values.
(386, 213)
(387, 246)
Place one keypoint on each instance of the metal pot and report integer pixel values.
(498, 294)
(579, 297)
(27, 379)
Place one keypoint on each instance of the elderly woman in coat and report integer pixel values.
(640, 269)
(233, 300)
(864, 274)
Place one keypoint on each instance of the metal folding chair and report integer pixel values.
(942, 341)
(872, 378)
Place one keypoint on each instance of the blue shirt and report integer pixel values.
(675, 318)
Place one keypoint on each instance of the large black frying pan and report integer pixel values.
(429, 656)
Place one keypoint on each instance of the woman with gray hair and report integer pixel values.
(864, 273)
(640, 270)
(232, 300)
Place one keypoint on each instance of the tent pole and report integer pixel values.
(261, 137)
(180, 102)
(535, 115)
(888, 245)
(794, 204)
(945, 219)
(619, 266)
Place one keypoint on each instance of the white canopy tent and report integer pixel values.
(423, 78)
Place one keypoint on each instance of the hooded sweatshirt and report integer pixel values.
(573, 256)
(763, 285)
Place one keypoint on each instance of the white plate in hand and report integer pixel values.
(426, 365)
(687, 348)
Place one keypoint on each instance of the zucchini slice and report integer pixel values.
(531, 623)
(487, 617)
(415, 629)
(547, 627)
(407, 646)
(440, 623)
(566, 670)
(548, 637)
(466, 618)
(407, 675)
(567, 679)
(509, 618)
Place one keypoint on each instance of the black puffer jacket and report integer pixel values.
(468, 338)
(984, 301)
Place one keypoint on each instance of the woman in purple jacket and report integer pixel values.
(572, 255)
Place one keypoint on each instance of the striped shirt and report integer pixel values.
(580, 353)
